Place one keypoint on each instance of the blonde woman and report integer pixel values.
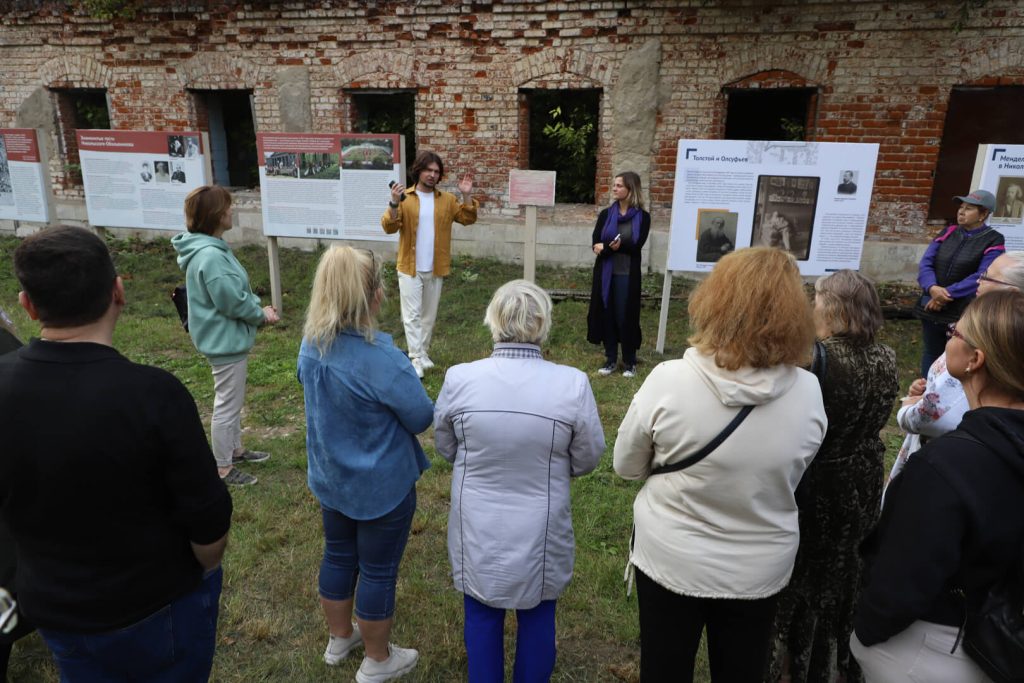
(953, 520)
(619, 236)
(364, 408)
(715, 542)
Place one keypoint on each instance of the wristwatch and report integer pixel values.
(392, 204)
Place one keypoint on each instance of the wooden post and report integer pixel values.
(275, 275)
(666, 296)
(530, 244)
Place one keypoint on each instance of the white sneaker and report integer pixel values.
(338, 648)
(425, 362)
(418, 367)
(400, 661)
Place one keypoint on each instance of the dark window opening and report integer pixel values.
(563, 138)
(976, 116)
(78, 109)
(227, 116)
(393, 111)
(769, 114)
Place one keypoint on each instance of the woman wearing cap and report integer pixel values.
(949, 270)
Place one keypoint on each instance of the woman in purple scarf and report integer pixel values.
(619, 236)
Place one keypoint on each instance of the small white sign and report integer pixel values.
(532, 188)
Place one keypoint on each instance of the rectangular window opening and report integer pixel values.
(386, 111)
(562, 137)
(965, 128)
(227, 116)
(769, 113)
(78, 109)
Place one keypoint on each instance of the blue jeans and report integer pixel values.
(367, 550)
(484, 634)
(175, 644)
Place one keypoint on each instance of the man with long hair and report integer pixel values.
(422, 216)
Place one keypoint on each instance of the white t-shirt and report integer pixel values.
(425, 233)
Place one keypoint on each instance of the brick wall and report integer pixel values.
(883, 72)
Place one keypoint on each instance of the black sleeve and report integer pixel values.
(200, 501)
(918, 543)
(598, 227)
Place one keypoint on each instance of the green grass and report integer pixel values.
(271, 628)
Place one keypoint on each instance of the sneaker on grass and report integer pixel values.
(249, 456)
(630, 371)
(426, 363)
(235, 477)
(417, 367)
(400, 661)
(608, 369)
(338, 648)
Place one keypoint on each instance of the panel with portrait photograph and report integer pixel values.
(784, 213)
(1009, 201)
(716, 234)
(175, 146)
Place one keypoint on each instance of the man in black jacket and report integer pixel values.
(107, 482)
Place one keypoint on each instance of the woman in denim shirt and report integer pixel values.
(364, 407)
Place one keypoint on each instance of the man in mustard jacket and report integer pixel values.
(422, 216)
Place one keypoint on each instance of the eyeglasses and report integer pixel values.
(984, 276)
(375, 274)
(951, 332)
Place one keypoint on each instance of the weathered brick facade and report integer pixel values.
(882, 71)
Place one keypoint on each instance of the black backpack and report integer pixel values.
(993, 634)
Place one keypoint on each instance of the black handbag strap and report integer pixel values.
(819, 364)
(707, 450)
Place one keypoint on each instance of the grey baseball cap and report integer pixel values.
(982, 198)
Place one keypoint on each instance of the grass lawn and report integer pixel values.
(271, 628)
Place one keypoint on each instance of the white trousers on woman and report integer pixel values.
(420, 295)
(920, 654)
(228, 399)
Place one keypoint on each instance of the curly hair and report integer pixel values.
(752, 311)
(848, 305)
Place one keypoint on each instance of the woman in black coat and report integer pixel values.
(619, 236)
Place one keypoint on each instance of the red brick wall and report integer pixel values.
(883, 72)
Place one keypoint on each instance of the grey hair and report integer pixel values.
(1014, 273)
(519, 312)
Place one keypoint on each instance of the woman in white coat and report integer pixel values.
(715, 542)
(517, 428)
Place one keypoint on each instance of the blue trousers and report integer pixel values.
(485, 643)
(175, 644)
(367, 550)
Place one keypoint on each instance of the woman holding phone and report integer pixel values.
(619, 236)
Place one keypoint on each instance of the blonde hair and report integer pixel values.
(849, 306)
(519, 312)
(994, 323)
(752, 311)
(344, 288)
(632, 182)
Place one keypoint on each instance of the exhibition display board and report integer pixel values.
(809, 198)
(139, 179)
(328, 186)
(23, 193)
(1000, 170)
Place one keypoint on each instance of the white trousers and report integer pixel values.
(920, 654)
(228, 399)
(420, 295)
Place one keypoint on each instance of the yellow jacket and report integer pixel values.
(447, 209)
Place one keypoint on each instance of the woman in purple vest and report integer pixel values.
(949, 270)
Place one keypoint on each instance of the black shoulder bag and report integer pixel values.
(819, 363)
(711, 445)
(179, 295)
